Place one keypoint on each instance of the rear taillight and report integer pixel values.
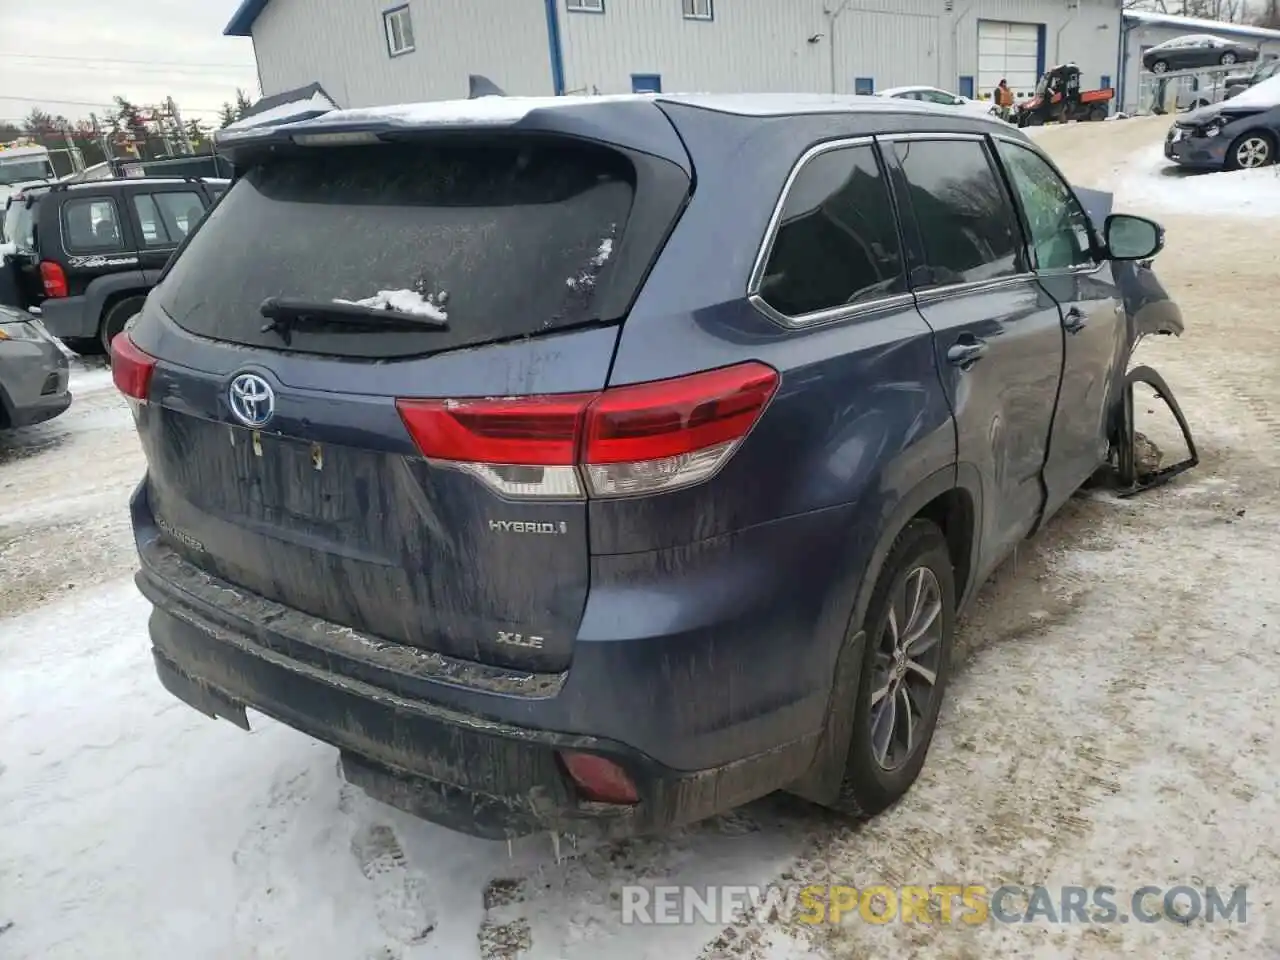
(131, 369)
(54, 279)
(626, 441)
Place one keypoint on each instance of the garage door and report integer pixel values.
(1011, 51)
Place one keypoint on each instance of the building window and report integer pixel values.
(399, 31)
(698, 10)
(864, 86)
(584, 6)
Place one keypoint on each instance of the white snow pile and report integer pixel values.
(1153, 183)
(404, 301)
(587, 277)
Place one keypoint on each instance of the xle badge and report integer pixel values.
(519, 640)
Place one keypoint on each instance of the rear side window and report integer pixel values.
(507, 239)
(91, 225)
(166, 218)
(837, 240)
(967, 223)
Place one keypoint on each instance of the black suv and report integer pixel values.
(87, 254)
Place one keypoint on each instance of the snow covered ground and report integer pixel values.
(1164, 187)
(1112, 721)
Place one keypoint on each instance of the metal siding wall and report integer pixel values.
(1090, 35)
(342, 45)
(750, 45)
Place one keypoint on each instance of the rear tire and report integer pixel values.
(896, 709)
(115, 319)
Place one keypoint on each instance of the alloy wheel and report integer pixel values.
(1253, 152)
(1160, 67)
(905, 672)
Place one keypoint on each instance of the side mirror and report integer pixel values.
(1132, 238)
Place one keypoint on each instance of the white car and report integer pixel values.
(936, 95)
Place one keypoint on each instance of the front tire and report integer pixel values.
(1159, 67)
(909, 626)
(115, 319)
(1250, 150)
(1227, 59)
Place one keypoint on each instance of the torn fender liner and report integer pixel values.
(1132, 479)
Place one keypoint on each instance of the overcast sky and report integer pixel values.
(66, 56)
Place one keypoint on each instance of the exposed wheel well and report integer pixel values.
(954, 514)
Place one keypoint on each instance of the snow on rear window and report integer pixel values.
(404, 301)
(497, 226)
(585, 278)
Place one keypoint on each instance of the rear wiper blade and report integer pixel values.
(286, 315)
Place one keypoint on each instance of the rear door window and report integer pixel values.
(506, 238)
(91, 225)
(966, 220)
(837, 239)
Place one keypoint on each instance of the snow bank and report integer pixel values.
(1153, 183)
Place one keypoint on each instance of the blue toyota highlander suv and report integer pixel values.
(600, 464)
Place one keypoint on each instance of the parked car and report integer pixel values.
(88, 253)
(1265, 70)
(560, 496)
(33, 372)
(1234, 134)
(940, 97)
(1196, 50)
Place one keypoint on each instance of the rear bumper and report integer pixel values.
(68, 318)
(473, 747)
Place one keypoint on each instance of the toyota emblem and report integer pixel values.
(252, 400)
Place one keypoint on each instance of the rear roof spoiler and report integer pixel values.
(627, 121)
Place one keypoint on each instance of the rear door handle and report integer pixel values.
(1075, 320)
(966, 353)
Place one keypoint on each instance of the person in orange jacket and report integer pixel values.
(1003, 98)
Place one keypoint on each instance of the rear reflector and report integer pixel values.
(54, 279)
(131, 369)
(600, 780)
(624, 441)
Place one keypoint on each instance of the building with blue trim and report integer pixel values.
(368, 52)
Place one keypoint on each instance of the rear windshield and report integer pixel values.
(504, 240)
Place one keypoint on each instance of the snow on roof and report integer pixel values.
(1196, 25)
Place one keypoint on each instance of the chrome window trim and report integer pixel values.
(931, 294)
(831, 314)
(965, 135)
